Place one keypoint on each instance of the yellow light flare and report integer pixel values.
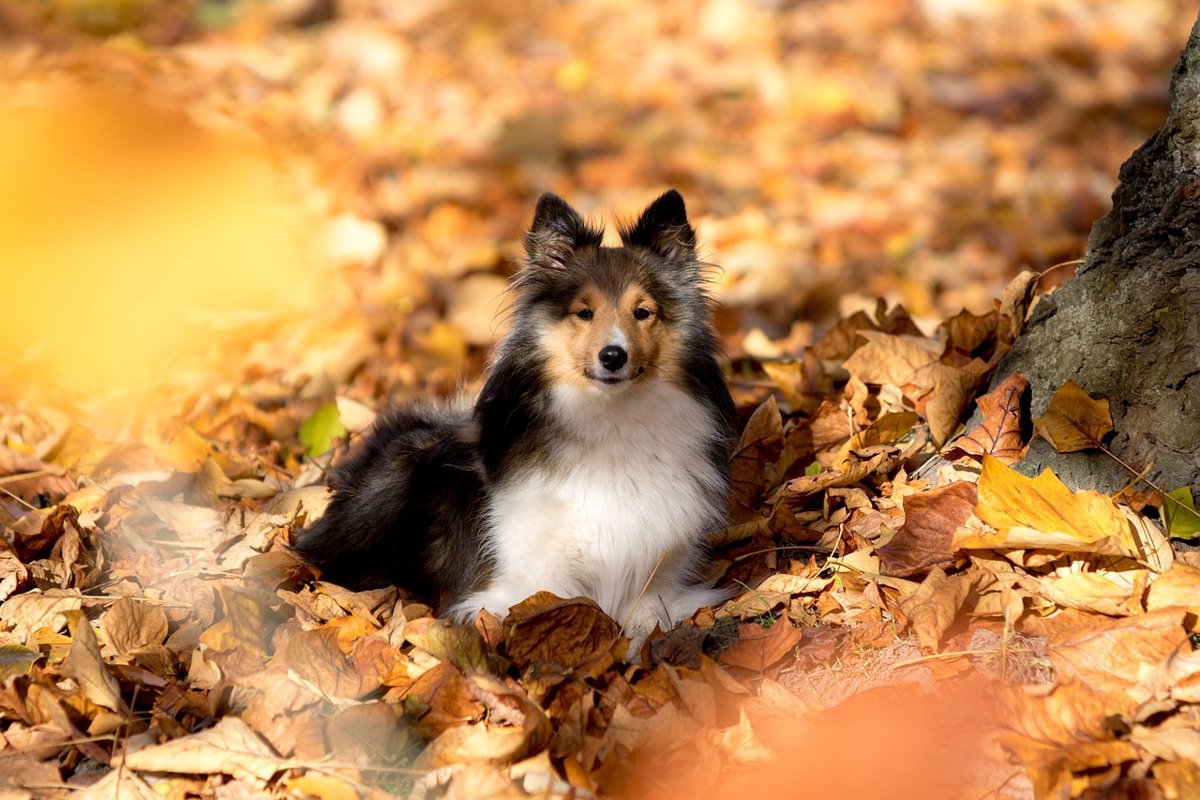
(134, 243)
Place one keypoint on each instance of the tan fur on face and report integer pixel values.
(574, 343)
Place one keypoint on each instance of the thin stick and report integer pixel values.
(1141, 476)
(19, 500)
(642, 593)
(24, 476)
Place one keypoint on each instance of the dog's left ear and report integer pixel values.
(663, 228)
(557, 232)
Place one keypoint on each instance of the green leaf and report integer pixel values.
(1183, 521)
(318, 431)
(812, 469)
(16, 660)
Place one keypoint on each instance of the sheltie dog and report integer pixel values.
(593, 462)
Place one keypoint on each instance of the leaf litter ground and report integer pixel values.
(914, 618)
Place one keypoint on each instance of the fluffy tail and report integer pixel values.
(404, 507)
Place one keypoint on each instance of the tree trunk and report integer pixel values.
(1127, 327)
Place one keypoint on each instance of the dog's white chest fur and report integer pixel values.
(626, 494)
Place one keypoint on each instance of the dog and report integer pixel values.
(593, 462)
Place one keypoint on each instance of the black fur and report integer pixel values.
(408, 505)
(405, 508)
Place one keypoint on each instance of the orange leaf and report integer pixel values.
(1074, 420)
(757, 649)
(999, 433)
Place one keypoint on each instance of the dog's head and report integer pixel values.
(610, 317)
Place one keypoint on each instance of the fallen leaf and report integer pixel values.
(1109, 656)
(936, 605)
(318, 432)
(1000, 432)
(244, 625)
(461, 645)
(16, 660)
(315, 656)
(26, 613)
(1183, 520)
(229, 748)
(930, 521)
(897, 360)
(888, 429)
(129, 626)
(549, 628)
(84, 664)
(757, 648)
(1043, 513)
(1073, 420)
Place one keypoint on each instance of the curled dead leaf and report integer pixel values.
(549, 628)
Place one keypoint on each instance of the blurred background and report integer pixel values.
(319, 197)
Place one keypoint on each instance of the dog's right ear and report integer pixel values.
(556, 233)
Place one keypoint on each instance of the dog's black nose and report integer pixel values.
(613, 357)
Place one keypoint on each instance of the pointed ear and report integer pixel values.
(663, 228)
(556, 233)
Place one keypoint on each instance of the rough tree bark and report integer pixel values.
(1127, 326)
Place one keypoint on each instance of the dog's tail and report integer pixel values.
(404, 506)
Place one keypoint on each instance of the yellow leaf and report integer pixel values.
(1042, 512)
(1074, 421)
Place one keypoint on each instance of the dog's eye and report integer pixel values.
(642, 313)
(584, 314)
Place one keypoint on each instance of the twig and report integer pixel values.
(1141, 476)
(642, 593)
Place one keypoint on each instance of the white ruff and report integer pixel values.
(629, 486)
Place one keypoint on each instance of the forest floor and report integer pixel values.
(230, 232)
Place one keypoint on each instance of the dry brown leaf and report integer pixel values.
(1109, 656)
(128, 626)
(888, 429)
(228, 748)
(1109, 592)
(999, 433)
(1043, 513)
(458, 644)
(760, 446)
(936, 604)
(26, 613)
(896, 360)
(758, 649)
(1178, 586)
(441, 699)
(1073, 420)
(930, 521)
(953, 389)
(315, 656)
(83, 663)
(243, 626)
(549, 628)
(192, 524)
